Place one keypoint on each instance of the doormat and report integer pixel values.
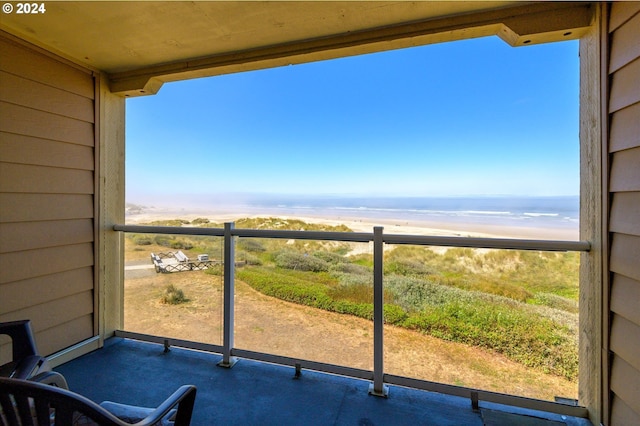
(500, 418)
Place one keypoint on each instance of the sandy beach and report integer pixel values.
(364, 224)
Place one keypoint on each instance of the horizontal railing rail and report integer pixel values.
(365, 237)
(379, 239)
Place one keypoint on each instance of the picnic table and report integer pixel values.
(179, 262)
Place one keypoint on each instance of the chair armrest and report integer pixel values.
(183, 398)
(51, 378)
(28, 367)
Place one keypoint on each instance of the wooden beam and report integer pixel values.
(593, 214)
(518, 25)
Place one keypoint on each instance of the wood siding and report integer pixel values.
(47, 181)
(624, 214)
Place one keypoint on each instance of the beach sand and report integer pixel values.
(366, 224)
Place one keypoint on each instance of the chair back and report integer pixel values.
(25, 362)
(29, 403)
(24, 343)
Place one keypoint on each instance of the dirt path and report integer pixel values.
(270, 325)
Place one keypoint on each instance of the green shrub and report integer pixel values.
(200, 221)
(365, 260)
(354, 292)
(414, 294)
(517, 330)
(181, 245)
(173, 295)
(329, 257)
(169, 222)
(285, 287)
(300, 262)
(162, 240)
(411, 252)
(350, 268)
(173, 242)
(554, 301)
(217, 270)
(394, 314)
(287, 224)
(529, 339)
(407, 267)
(248, 258)
(357, 279)
(142, 240)
(251, 244)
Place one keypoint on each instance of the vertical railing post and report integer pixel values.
(378, 387)
(229, 290)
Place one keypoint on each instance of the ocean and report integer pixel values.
(555, 217)
(542, 212)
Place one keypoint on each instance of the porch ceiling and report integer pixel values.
(122, 36)
(137, 42)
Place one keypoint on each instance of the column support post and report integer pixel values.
(378, 387)
(229, 290)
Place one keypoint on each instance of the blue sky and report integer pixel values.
(475, 117)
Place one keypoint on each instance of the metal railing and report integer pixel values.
(378, 378)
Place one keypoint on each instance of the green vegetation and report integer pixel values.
(173, 295)
(169, 222)
(200, 221)
(522, 304)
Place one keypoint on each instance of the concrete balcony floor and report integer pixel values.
(257, 393)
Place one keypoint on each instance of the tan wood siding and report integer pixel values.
(40, 124)
(625, 340)
(42, 152)
(34, 207)
(44, 180)
(625, 129)
(21, 91)
(622, 414)
(625, 211)
(625, 253)
(625, 173)
(22, 265)
(33, 235)
(625, 46)
(625, 382)
(621, 12)
(625, 90)
(27, 63)
(624, 214)
(54, 312)
(65, 335)
(47, 178)
(625, 297)
(19, 295)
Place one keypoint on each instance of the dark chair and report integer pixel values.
(52, 378)
(27, 402)
(26, 362)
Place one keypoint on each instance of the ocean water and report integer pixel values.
(542, 212)
(558, 217)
